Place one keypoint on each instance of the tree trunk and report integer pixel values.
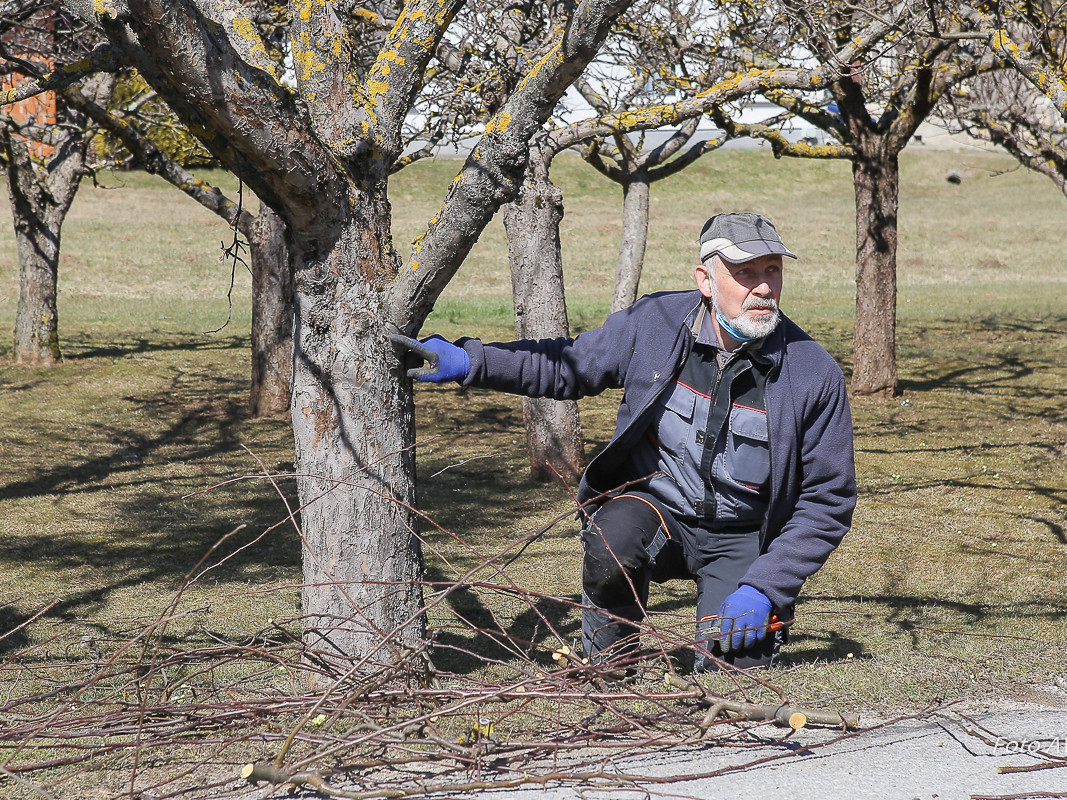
(37, 235)
(272, 315)
(39, 206)
(353, 422)
(553, 429)
(635, 194)
(876, 179)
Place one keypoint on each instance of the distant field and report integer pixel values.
(137, 256)
(952, 584)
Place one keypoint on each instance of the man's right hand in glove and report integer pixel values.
(743, 618)
(454, 362)
(445, 361)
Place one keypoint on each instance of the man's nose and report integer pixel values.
(763, 288)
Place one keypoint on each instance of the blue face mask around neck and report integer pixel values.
(734, 333)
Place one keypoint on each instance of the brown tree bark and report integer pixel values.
(39, 205)
(553, 428)
(876, 180)
(272, 315)
(631, 260)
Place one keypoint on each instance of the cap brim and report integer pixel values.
(739, 252)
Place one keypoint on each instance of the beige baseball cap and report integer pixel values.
(740, 237)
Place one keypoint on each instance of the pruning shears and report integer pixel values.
(432, 359)
(774, 623)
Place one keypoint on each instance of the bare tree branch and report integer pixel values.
(155, 161)
(1051, 83)
(491, 174)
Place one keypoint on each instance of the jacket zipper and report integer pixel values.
(685, 354)
(770, 451)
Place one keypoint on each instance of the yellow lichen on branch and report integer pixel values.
(304, 8)
(305, 58)
(376, 88)
(553, 57)
(499, 123)
(734, 80)
(373, 17)
(1002, 41)
(245, 29)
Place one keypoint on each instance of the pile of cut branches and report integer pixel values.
(176, 720)
(171, 708)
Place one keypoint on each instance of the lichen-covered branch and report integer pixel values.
(1049, 81)
(241, 113)
(492, 172)
(1040, 153)
(908, 108)
(397, 73)
(780, 145)
(103, 58)
(242, 32)
(732, 87)
(1005, 109)
(327, 76)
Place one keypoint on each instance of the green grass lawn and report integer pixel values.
(117, 467)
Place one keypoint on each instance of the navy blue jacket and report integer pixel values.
(641, 349)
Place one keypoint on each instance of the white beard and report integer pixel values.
(755, 327)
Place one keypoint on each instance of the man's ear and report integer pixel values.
(702, 273)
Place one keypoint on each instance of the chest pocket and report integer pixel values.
(748, 456)
(674, 423)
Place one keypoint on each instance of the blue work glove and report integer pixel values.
(454, 362)
(743, 618)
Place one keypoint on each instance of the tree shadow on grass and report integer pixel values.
(126, 459)
(997, 357)
(478, 635)
(975, 378)
(153, 533)
(121, 482)
(822, 638)
(474, 635)
(85, 347)
(12, 638)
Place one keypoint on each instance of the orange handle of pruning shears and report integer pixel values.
(777, 623)
(773, 624)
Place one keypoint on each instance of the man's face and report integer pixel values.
(746, 294)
